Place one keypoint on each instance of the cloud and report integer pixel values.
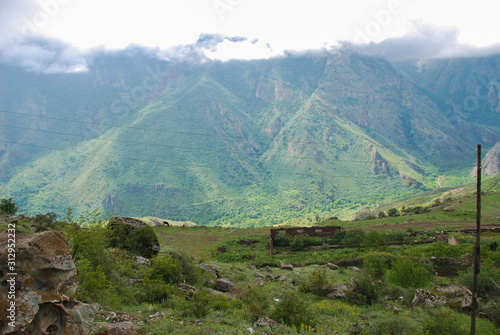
(424, 42)
(22, 44)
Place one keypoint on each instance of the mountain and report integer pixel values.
(241, 142)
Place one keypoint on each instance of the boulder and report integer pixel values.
(212, 269)
(224, 285)
(286, 266)
(338, 291)
(45, 283)
(426, 298)
(186, 288)
(354, 268)
(258, 281)
(456, 295)
(333, 266)
(452, 240)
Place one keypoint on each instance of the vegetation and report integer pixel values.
(305, 300)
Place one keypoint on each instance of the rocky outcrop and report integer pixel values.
(225, 285)
(491, 162)
(45, 283)
(212, 269)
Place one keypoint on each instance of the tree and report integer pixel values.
(8, 206)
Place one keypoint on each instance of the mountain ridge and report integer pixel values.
(250, 142)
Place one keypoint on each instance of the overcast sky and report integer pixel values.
(55, 33)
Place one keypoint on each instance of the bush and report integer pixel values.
(294, 311)
(8, 206)
(316, 283)
(377, 264)
(155, 291)
(484, 284)
(136, 240)
(442, 322)
(365, 292)
(164, 269)
(354, 236)
(392, 212)
(393, 325)
(407, 273)
(256, 302)
(381, 215)
(374, 238)
(201, 303)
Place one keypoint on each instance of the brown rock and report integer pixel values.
(45, 282)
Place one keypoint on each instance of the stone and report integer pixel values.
(449, 208)
(424, 297)
(258, 274)
(282, 278)
(333, 266)
(338, 291)
(46, 282)
(286, 266)
(140, 261)
(212, 269)
(354, 268)
(258, 281)
(119, 328)
(224, 285)
(265, 322)
(186, 288)
(456, 295)
(452, 240)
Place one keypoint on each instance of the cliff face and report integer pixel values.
(491, 163)
(44, 284)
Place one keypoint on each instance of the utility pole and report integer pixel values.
(477, 247)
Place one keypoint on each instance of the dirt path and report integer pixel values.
(441, 224)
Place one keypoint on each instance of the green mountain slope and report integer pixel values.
(244, 143)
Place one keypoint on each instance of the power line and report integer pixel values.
(223, 136)
(168, 163)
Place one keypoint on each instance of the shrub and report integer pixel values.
(354, 236)
(316, 283)
(365, 292)
(381, 215)
(294, 311)
(484, 284)
(165, 269)
(377, 264)
(374, 238)
(256, 302)
(8, 206)
(393, 325)
(136, 240)
(407, 273)
(201, 303)
(392, 212)
(442, 322)
(154, 291)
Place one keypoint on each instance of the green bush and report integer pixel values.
(442, 322)
(407, 273)
(354, 236)
(377, 264)
(256, 302)
(393, 325)
(294, 310)
(365, 292)
(201, 303)
(392, 212)
(317, 283)
(135, 240)
(164, 269)
(484, 284)
(374, 238)
(155, 291)
(8, 206)
(381, 215)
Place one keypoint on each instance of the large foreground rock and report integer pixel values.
(45, 284)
